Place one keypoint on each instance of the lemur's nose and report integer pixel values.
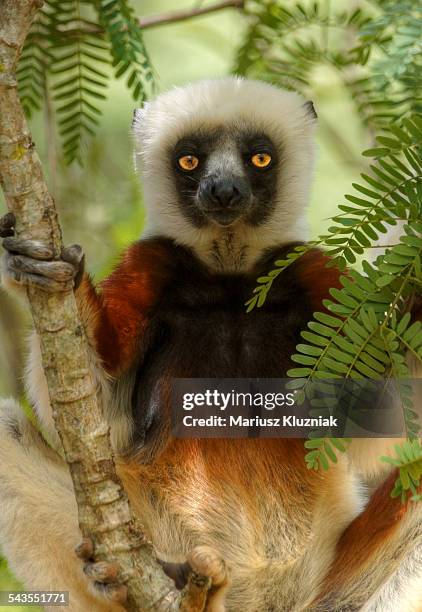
(222, 192)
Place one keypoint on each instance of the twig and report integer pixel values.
(162, 19)
(182, 15)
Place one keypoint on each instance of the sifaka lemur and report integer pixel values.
(226, 168)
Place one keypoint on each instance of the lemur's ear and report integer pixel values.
(309, 105)
(138, 118)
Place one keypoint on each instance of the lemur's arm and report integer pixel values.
(115, 314)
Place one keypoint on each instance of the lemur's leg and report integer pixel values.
(378, 561)
(292, 586)
(259, 584)
(38, 519)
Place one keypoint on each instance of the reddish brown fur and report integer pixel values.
(317, 278)
(124, 302)
(365, 535)
(276, 464)
(123, 307)
(128, 295)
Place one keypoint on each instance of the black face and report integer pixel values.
(224, 176)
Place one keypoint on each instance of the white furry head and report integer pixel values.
(207, 106)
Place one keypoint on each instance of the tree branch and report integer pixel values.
(182, 15)
(104, 512)
(158, 20)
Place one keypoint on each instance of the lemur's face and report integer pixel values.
(225, 175)
(225, 165)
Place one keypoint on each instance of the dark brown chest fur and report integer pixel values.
(199, 328)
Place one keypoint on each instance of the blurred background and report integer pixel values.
(100, 204)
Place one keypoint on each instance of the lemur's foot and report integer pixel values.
(30, 262)
(205, 561)
(104, 576)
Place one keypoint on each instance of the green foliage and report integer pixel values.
(126, 44)
(35, 61)
(366, 330)
(286, 41)
(376, 51)
(322, 451)
(391, 43)
(67, 59)
(370, 333)
(265, 282)
(80, 83)
(408, 461)
(389, 193)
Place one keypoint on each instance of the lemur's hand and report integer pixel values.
(104, 575)
(29, 262)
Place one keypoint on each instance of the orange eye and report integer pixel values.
(261, 160)
(188, 162)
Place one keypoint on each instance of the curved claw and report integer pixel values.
(178, 572)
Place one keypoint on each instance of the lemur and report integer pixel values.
(226, 166)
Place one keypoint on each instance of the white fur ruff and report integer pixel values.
(206, 105)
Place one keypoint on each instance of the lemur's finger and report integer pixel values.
(5, 233)
(42, 282)
(8, 220)
(113, 592)
(73, 254)
(30, 248)
(7, 223)
(85, 550)
(57, 270)
(101, 571)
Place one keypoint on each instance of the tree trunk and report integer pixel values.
(104, 512)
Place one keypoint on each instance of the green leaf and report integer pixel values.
(309, 349)
(303, 359)
(329, 451)
(298, 372)
(385, 280)
(314, 338)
